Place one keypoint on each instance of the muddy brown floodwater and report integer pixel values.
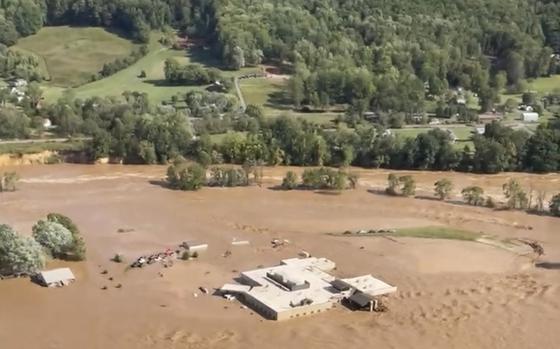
(452, 294)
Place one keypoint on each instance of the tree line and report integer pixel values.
(190, 74)
(132, 129)
(185, 175)
(370, 55)
(19, 65)
(119, 64)
(516, 196)
(289, 141)
(134, 18)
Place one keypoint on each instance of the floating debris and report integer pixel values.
(240, 242)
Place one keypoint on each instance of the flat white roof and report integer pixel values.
(312, 271)
(370, 285)
(278, 298)
(57, 275)
(235, 288)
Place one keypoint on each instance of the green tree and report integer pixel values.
(147, 152)
(325, 178)
(78, 250)
(13, 123)
(515, 68)
(8, 32)
(8, 181)
(183, 177)
(296, 89)
(28, 17)
(408, 185)
(473, 195)
(516, 196)
(393, 184)
(500, 80)
(19, 254)
(237, 58)
(443, 188)
(290, 181)
(54, 237)
(34, 94)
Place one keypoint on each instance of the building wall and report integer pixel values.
(303, 311)
(292, 313)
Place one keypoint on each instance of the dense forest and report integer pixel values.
(386, 56)
(133, 130)
(380, 55)
(135, 18)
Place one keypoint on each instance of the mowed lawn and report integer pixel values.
(153, 84)
(71, 55)
(545, 85)
(270, 94)
(127, 79)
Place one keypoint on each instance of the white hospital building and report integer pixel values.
(299, 287)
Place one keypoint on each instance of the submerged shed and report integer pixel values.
(195, 246)
(56, 277)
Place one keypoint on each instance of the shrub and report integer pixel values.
(8, 181)
(117, 258)
(408, 185)
(228, 177)
(182, 177)
(473, 195)
(290, 181)
(78, 250)
(19, 254)
(393, 184)
(325, 178)
(443, 188)
(517, 198)
(54, 237)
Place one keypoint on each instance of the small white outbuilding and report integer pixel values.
(56, 277)
(530, 117)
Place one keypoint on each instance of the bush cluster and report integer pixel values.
(56, 237)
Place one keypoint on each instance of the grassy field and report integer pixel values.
(38, 147)
(463, 133)
(219, 138)
(546, 84)
(154, 84)
(71, 55)
(270, 95)
(438, 233)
